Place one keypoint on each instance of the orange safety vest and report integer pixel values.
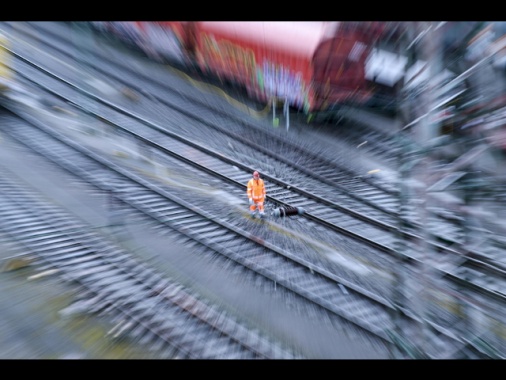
(256, 189)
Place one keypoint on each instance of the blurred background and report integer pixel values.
(124, 218)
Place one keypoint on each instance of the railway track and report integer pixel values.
(290, 271)
(364, 198)
(147, 306)
(325, 211)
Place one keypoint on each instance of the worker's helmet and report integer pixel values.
(255, 174)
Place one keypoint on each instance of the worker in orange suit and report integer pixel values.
(256, 195)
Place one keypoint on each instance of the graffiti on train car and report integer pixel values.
(229, 59)
(277, 80)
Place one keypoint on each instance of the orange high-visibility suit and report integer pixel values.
(256, 194)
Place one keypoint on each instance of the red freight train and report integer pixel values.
(311, 65)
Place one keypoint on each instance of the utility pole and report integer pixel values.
(426, 132)
(398, 297)
(423, 44)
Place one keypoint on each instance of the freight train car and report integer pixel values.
(167, 41)
(310, 65)
(164, 41)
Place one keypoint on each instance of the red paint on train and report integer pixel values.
(312, 65)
